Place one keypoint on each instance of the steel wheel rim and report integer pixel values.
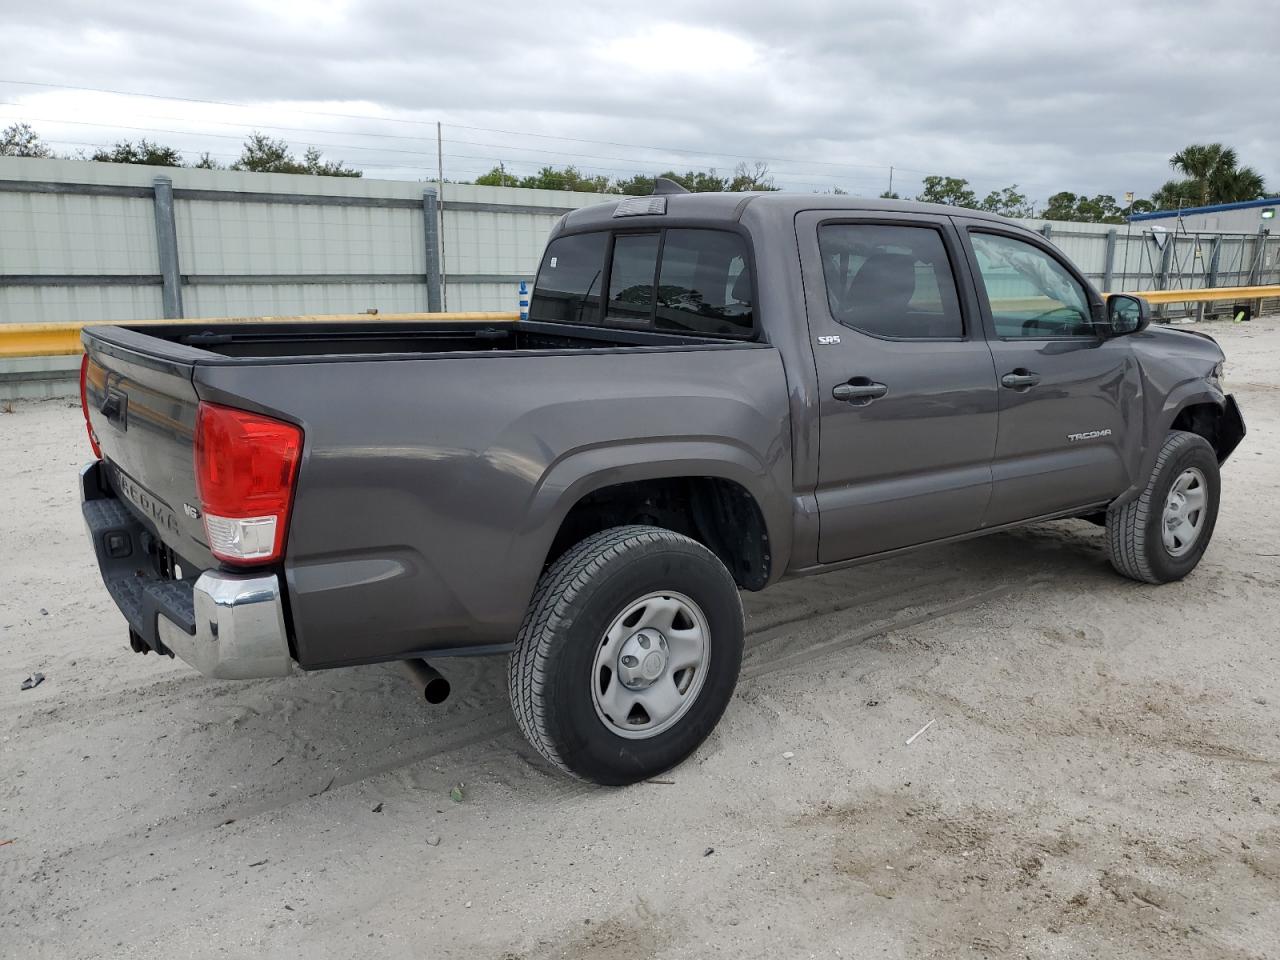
(1185, 508)
(650, 665)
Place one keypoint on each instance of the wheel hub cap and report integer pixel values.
(1184, 512)
(643, 659)
(650, 665)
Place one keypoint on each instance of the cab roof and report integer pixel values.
(731, 206)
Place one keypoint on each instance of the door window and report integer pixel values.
(1031, 294)
(890, 281)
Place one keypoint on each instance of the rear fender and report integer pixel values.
(586, 470)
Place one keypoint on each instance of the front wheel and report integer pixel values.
(628, 654)
(1161, 535)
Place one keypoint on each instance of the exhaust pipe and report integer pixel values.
(435, 688)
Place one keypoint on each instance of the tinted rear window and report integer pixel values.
(691, 281)
(635, 261)
(569, 280)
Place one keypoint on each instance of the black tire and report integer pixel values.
(576, 600)
(1134, 537)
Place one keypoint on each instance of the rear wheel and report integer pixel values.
(628, 654)
(1161, 535)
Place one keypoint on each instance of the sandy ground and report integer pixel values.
(1102, 779)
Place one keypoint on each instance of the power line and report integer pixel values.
(683, 151)
(428, 123)
(657, 166)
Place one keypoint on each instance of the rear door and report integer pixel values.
(1069, 396)
(906, 383)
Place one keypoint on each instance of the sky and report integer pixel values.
(1091, 97)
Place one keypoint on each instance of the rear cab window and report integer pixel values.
(692, 281)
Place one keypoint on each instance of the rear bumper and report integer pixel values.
(229, 626)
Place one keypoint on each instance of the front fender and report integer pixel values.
(1189, 393)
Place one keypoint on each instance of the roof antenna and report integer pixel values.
(664, 185)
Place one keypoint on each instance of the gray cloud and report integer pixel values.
(1092, 97)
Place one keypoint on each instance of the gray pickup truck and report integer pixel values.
(712, 392)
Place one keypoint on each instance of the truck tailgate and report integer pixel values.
(142, 407)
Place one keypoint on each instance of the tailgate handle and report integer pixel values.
(113, 407)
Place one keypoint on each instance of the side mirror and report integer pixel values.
(1127, 314)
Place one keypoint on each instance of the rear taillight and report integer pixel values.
(84, 405)
(246, 465)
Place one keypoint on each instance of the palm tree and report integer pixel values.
(1202, 164)
(1212, 176)
(1241, 183)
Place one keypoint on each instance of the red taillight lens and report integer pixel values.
(84, 405)
(245, 468)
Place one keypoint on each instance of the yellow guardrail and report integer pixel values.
(1205, 295)
(63, 339)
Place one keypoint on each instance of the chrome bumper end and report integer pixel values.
(240, 632)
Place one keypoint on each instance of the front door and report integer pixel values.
(1070, 397)
(906, 384)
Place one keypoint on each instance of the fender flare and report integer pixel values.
(1187, 394)
(584, 470)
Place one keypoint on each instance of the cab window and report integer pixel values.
(569, 280)
(890, 281)
(1030, 293)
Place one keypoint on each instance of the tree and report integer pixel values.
(207, 162)
(262, 154)
(19, 140)
(952, 191)
(1242, 183)
(1061, 206)
(1098, 209)
(1007, 202)
(1211, 174)
(699, 181)
(144, 152)
(497, 177)
(638, 186)
(752, 179)
(570, 178)
(890, 195)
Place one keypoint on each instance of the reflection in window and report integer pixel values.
(635, 261)
(705, 284)
(1031, 294)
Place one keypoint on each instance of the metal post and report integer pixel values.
(1259, 254)
(431, 234)
(167, 246)
(1047, 231)
(1215, 257)
(1109, 261)
(444, 290)
(1255, 270)
(1166, 261)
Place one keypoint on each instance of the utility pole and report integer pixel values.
(444, 290)
(891, 178)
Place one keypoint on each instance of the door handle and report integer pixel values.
(859, 393)
(1020, 379)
